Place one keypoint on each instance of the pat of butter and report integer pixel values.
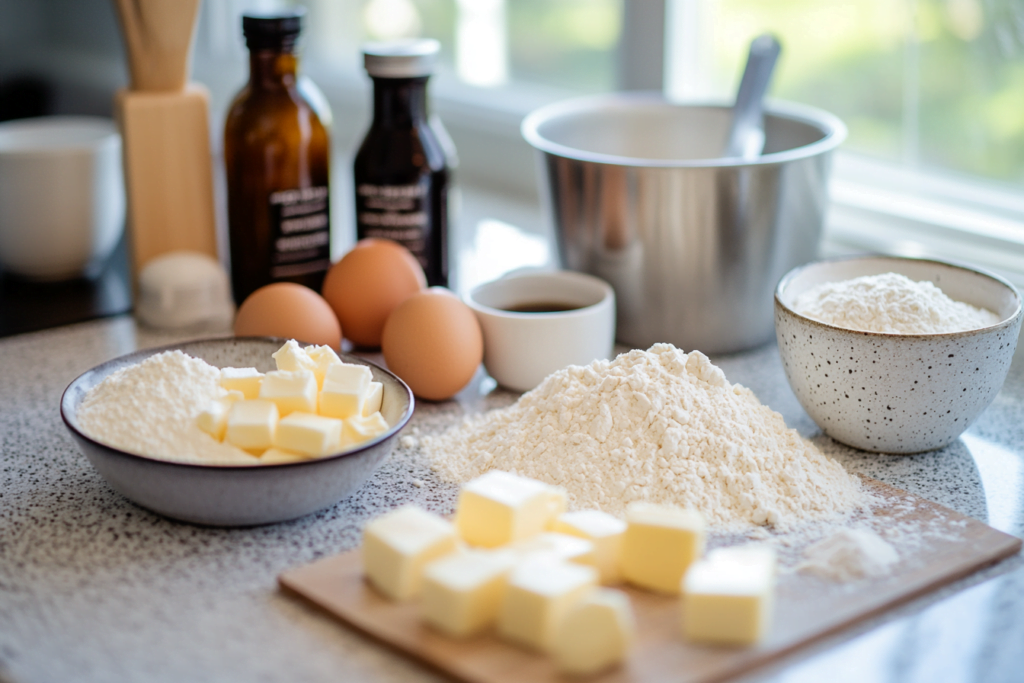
(275, 456)
(214, 418)
(290, 391)
(374, 399)
(308, 434)
(462, 592)
(605, 532)
(555, 546)
(539, 595)
(596, 634)
(498, 508)
(398, 545)
(291, 358)
(323, 357)
(245, 380)
(251, 424)
(660, 544)
(359, 429)
(345, 389)
(729, 596)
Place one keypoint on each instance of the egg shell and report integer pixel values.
(367, 284)
(434, 343)
(289, 310)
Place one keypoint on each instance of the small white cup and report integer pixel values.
(522, 348)
(62, 200)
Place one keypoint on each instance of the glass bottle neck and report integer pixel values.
(399, 101)
(272, 68)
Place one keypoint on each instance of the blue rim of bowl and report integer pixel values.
(833, 129)
(142, 354)
(788, 277)
(476, 305)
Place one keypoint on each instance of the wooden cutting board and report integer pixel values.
(940, 546)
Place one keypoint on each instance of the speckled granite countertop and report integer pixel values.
(93, 588)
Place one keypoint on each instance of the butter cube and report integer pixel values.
(359, 429)
(539, 595)
(291, 358)
(323, 357)
(398, 545)
(605, 532)
(345, 389)
(729, 596)
(554, 546)
(660, 544)
(290, 391)
(251, 424)
(596, 634)
(245, 380)
(462, 592)
(498, 508)
(276, 456)
(214, 418)
(374, 399)
(308, 434)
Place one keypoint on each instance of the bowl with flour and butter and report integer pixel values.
(895, 355)
(236, 431)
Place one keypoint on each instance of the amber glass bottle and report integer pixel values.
(401, 171)
(276, 153)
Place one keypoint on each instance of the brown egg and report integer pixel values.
(368, 283)
(433, 342)
(285, 309)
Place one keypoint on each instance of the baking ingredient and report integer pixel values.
(397, 546)
(252, 424)
(539, 595)
(596, 634)
(344, 391)
(244, 380)
(660, 544)
(728, 597)
(290, 391)
(498, 508)
(849, 555)
(605, 532)
(462, 592)
(359, 428)
(277, 456)
(433, 342)
(660, 426)
(554, 546)
(374, 399)
(308, 434)
(214, 418)
(285, 309)
(890, 303)
(367, 284)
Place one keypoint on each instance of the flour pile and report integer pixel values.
(660, 426)
(890, 303)
(850, 554)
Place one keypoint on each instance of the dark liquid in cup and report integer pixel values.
(542, 307)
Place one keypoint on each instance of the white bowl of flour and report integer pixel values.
(895, 355)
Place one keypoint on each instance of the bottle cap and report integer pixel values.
(402, 58)
(276, 30)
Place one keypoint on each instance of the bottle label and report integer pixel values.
(301, 231)
(396, 212)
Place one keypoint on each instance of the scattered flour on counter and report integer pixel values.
(151, 408)
(660, 426)
(850, 554)
(890, 303)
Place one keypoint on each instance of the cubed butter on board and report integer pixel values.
(660, 544)
(539, 595)
(605, 532)
(462, 592)
(398, 545)
(344, 391)
(308, 434)
(252, 425)
(596, 634)
(290, 391)
(555, 546)
(728, 597)
(498, 508)
(245, 380)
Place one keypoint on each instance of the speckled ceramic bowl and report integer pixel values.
(896, 393)
(236, 495)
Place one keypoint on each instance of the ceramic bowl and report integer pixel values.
(896, 393)
(235, 495)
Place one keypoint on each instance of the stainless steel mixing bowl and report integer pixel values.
(692, 243)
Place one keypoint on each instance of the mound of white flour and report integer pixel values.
(890, 303)
(850, 554)
(660, 426)
(151, 408)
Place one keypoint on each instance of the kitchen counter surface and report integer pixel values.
(93, 588)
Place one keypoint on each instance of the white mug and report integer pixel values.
(62, 199)
(521, 348)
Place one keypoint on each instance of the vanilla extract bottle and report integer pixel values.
(401, 170)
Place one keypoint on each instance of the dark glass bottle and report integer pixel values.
(277, 156)
(401, 170)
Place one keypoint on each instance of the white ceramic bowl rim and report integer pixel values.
(832, 128)
(793, 274)
(56, 135)
(142, 354)
(554, 276)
